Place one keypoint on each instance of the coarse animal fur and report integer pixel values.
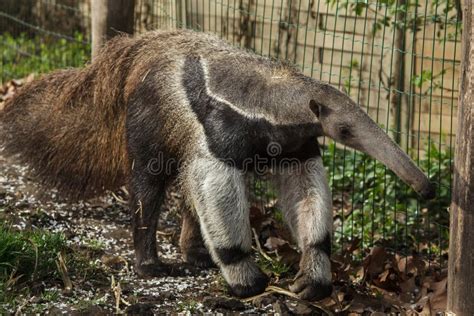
(188, 106)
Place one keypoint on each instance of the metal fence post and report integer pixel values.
(461, 245)
(109, 18)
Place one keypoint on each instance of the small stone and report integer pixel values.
(93, 310)
(263, 301)
(114, 262)
(168, 296)
(230, 304)
(140, 309)
(280, 308)
(303, 309)
(55, 311)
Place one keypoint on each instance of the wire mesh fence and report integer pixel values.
(39, 36)
(399, 59)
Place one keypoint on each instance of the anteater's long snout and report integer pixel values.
(384, 149)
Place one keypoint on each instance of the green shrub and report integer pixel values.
(376, 205)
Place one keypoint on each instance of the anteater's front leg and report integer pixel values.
(218, 193)
(306, 202)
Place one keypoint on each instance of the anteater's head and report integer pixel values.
(344, 121)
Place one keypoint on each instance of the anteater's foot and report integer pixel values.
(153, 269)
(309, 289)
(198, 257)
(313, 280)
(255, 287)
(245, 279)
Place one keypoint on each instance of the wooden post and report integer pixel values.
(397, 102)
(109, 18)
(180, 14)
(461, 244)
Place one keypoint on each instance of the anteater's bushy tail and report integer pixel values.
(69, 126)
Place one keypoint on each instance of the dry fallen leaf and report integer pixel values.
(374, 263)
(273, 243)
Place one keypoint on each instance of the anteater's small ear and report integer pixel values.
(315, 107)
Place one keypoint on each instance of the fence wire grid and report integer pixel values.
(399, 59)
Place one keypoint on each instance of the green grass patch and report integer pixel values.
(23, 55)
(274, 266)
(28, 255)
(29, 258)
(190, 306)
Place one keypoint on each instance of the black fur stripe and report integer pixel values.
(232, 136)
(231, 255)
(324, 245)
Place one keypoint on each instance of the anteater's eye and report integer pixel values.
(345, 132)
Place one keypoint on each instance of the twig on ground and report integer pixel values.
(259, 246)
(159, 232)
(117, 290)
(21, 306)
(275, 289)
(119, 199)
(64, 274)
(338, 302)
(33, 275)
(124, 189)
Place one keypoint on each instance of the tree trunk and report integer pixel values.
(461, 244)
(110, 18)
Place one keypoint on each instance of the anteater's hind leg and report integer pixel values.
(218, 193)
(150, 174)
(192, 245)
(148, 192)
(306, 204)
